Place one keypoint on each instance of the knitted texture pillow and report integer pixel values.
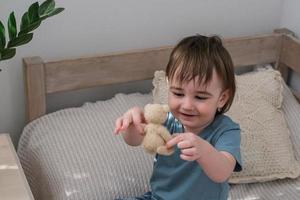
(266, 147)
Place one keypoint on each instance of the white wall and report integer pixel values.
(291, 19)
(97, 26)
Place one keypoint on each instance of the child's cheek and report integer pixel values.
(173, 104)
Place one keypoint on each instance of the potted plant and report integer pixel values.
(31, 20)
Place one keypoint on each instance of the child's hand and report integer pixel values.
(192, 146)
(133, 116)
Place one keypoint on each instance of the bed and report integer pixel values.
(72, 154)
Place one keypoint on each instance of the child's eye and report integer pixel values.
(200, 97)
(177, 94)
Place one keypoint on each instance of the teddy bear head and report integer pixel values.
(155, 113)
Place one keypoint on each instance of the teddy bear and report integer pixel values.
(156, 135)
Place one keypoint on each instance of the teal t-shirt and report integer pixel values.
(177, 179)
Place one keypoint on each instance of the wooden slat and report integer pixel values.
(103, 70)
(140, 65)
(297, 95)
(35, 87)
(290, 54)
(284, 70)
(254, 50)
(284, 31)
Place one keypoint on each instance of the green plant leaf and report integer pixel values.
(30, 28)
(20, 40)
(33, 12)
(24, 21)
(46, 7)
(7, 54)
(12, 27)
(2, 36)
(29, 22)
(55, 12)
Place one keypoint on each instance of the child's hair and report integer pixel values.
(198, 56)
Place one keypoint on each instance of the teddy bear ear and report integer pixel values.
(166, 108)
(146, 106)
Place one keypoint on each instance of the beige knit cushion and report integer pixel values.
(266, 148)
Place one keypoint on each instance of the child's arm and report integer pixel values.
(217, 165)
(132, 125)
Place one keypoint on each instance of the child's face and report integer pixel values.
(194, 104)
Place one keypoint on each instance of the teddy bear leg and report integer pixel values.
(163, 150)
(150, 151)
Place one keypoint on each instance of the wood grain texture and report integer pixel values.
(290, 53)
(104, 70)
(65, 75)
(141, 64)
(254, 50)
(13, 184)
(35, 91)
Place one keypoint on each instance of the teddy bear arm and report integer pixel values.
(165, 134)
(163, 150)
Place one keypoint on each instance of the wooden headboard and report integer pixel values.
(42, 78)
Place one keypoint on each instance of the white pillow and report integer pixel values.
(73, 154)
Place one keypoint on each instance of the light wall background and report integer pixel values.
(92, 27)
(290, 17)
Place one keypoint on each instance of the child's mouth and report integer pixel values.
(187, 115)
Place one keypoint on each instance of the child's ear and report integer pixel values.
(223, 98)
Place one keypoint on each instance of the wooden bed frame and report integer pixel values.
(41, 78)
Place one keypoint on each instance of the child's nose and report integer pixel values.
(188, 104)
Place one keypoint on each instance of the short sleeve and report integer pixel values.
(230, 141)
(172, 124)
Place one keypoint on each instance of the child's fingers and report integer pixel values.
(126, 122)
(175, 140)
(189, 151)
(184, 144)
(122, 123)
(137, 121)
(142, 127)
(117, 130)
(134, 116)
(118, 125)
(186, 157)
